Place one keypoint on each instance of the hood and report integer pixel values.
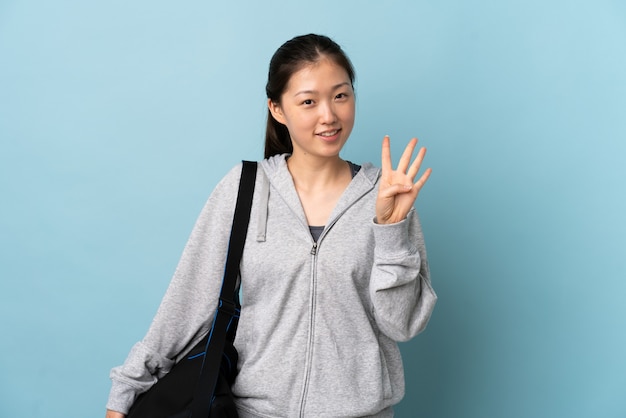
(275, 178)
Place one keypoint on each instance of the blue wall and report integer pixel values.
(118, 118)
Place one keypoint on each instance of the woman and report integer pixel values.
(334, 269)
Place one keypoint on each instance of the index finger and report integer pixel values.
(386, 155)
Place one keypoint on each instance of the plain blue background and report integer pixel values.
(118, 118)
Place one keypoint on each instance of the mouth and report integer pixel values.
(329, 135)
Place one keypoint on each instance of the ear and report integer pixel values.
(276, 111)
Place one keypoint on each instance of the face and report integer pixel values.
(317, 108)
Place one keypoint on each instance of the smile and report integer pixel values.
(329, 134)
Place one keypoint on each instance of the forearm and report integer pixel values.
(400, 289)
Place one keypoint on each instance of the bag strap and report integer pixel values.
(228, 307)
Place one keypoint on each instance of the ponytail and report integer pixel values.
(277, 139)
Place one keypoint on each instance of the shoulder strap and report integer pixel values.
(239, 230)
(228, 304)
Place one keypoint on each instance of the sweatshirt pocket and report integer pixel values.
(348, 383)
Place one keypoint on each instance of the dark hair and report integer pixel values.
(287, 60)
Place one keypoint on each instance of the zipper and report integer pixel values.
(312, 309)
(312, 304)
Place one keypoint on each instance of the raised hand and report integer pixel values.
(398, 188)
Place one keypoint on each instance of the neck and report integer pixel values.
(310, 173)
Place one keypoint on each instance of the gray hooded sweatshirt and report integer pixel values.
(319, 321)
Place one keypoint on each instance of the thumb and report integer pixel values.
(396, 189)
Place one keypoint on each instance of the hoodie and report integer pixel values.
(320, 321)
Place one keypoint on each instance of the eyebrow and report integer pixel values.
(335, 87)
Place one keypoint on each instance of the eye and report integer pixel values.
(307, 102)
(341, 96)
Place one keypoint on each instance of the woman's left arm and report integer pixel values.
(400, 288)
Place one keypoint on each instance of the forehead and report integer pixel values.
(324, 73)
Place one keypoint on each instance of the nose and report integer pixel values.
(327, 114)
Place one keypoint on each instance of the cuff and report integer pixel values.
(121, 397)
(392, 240)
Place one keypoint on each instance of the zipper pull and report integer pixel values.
(314, 249)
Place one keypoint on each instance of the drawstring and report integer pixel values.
(264, 194)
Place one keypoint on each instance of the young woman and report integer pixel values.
(334, 269)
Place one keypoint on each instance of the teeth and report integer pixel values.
(331, 133)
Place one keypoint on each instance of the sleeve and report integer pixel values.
(187, 309)
(402, 296)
